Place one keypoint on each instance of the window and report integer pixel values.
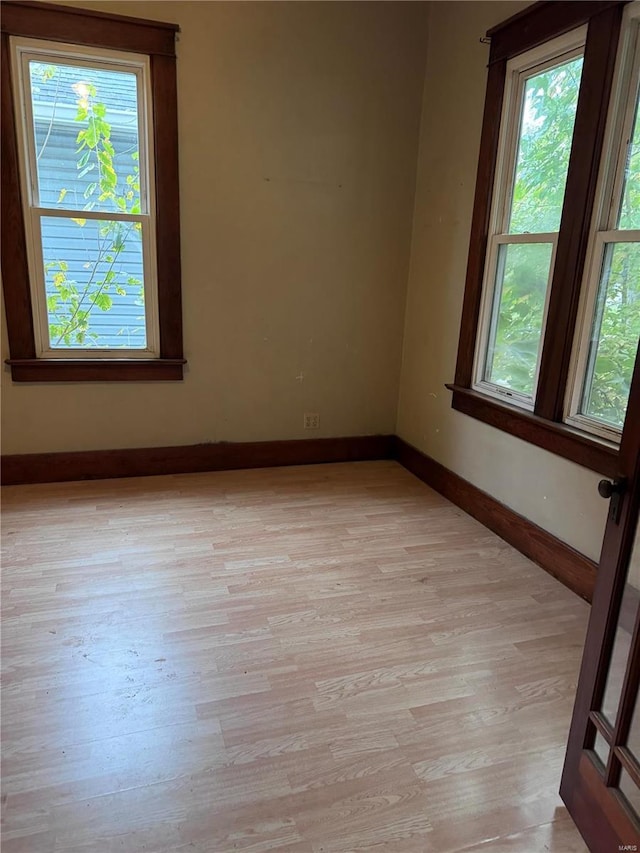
(91, 269)
(86, 165)
(609, 326)
(551, 318)
(541, 96)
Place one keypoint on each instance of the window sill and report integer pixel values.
(95, 370)
(555, 437)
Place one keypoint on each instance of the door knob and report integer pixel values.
(613, 489)
(606, 488)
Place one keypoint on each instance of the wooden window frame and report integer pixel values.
(544, 427)
(116, 32)
(606, 227)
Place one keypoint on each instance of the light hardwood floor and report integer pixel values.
(319, 659)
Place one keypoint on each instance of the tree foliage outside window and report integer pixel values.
(615, 335)
(616, 326)
(550, 100)
(523, 270)
(629, 214)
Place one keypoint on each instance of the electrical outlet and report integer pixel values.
(311, 420)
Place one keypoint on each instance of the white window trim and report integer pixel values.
(519, 69)
(603, 228)
(22, 51)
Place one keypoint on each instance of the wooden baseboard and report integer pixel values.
(146, 461)
(562, 561)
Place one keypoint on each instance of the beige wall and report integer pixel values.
(298, 140)
(558, 495)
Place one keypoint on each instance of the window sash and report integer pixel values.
(38, 291)
(629, 56)
(31, 50)
(22, 52)
(490, 305)
(518, 72)
(575, 417)
(604, 230)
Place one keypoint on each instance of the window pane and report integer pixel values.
(629, 216)
(614, 337)
(546, 130)
(94, 283)
(620, 654)
(601, 748)
(86, 137)
(631, 792)
(633, 740)
(622, 646)
(516, 326)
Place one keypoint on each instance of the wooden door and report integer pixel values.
(601, 777)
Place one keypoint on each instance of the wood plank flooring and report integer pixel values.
(319, 659)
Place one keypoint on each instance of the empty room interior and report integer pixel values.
(320, 426)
